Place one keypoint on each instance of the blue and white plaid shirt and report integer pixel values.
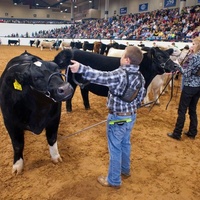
(116, 82)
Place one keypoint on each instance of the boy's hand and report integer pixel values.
(75, 66)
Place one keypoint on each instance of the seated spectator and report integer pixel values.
(161, 36)
(188, 36)
(155, 34)
(171, 36)
(196, 32)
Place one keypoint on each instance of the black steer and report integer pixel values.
(155, 62)
(15, 42)
(88, 46)
(105, 47)
(31, 42)
(77, 45)
(31, 91)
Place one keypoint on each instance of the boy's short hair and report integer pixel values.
(134, 54)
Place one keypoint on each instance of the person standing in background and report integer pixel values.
(190, 94)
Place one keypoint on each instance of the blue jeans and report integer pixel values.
(119, 147)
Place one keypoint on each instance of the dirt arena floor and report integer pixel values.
(161, 168)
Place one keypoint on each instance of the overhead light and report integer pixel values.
(75, 6)
(61, 3)
(90, 1)
(49, 7)
(37, 4)
(15, 2)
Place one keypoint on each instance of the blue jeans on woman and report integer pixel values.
(119, 147)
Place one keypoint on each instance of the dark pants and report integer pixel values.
(188, 100)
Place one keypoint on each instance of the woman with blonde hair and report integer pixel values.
(190, 93)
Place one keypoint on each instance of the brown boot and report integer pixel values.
(125, 176)
(103, 181)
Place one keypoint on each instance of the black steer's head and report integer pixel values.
(161, 59)
(45, 78)
(63, 58)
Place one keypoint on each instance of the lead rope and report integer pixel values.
(89, 127)
(66, 74)
(84, 129)
(172, 79)
(172, 90)
(154, 102)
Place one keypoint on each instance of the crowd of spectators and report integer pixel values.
(160, 25)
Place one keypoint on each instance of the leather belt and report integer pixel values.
(122, 113)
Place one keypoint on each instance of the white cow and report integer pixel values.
(46, 44)
(116, 52)
(65, 45)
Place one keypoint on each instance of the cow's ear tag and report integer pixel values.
(17, 85)
(38, 63)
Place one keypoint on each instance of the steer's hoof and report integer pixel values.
(16, 172)
(18, 167)
(56, 160)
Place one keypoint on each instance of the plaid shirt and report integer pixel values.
(116, 82)
(190, 69)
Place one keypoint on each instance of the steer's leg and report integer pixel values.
(17, 139)
(156, 93)
(146, 99)
(69, 105)
(85, 96)
(55, 156)
(51, 133)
